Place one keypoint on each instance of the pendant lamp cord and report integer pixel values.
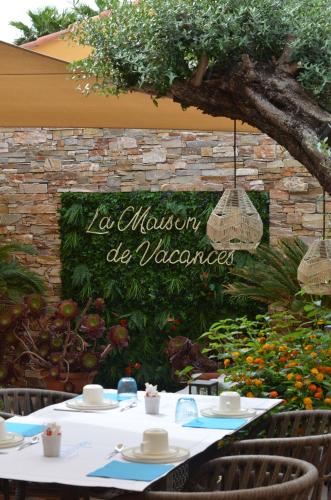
(235, 151)
(324, 216)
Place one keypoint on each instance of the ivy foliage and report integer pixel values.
(150, 43)
(158, 300)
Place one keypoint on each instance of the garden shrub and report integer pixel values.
(276, 356)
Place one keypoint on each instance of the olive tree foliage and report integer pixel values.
(265, 62)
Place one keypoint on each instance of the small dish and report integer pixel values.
(216, 413)
(174, 454)
(79, 404)
(13, 439)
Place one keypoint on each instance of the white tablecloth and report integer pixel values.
(88, 439)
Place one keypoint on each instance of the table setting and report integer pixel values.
(131, 439)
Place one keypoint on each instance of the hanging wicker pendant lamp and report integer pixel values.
(235, 224)
(314, 271)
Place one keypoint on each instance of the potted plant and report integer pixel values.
(186, 358)
(61, 348)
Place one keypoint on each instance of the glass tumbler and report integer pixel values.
(186, 409)
(126, 388)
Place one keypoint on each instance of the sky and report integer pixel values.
(15, 10)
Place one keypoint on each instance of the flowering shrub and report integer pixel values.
(276, 356)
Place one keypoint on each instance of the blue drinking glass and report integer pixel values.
(186, 410)
(126, 388)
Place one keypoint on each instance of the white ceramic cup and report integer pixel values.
(229, 402)
(155, 442)
(3, 432)
(52, 445)
(152, 405)
(93, 394)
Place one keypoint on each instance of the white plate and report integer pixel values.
(175, 454)
(13, 439)
(216, 413)
(79, 404)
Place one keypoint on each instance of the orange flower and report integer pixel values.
(308, 347)
(314, 371)
(250, 395)
(292, 363)
(282, 359)
(298, 377)
(226, 362)
(261, 340)
(249, 359)
(307, 401)
(313, 355)
(298, 385)
(312, 387)
(321, 322)
(319, 377)
(259, 361)
(257, 381)
(283, 348)
(273, 394)
(318, 395)
(327, 401)
(325, 369)
(289, 376)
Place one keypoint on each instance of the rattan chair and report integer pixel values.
(17, 401)
(298, 434)
(25, 401)
(245, 478)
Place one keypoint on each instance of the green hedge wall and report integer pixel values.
(159, 300)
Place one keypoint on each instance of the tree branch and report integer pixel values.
(285, 61)
(197, 77)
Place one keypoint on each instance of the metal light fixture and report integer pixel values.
(235, 224)
(314, 271)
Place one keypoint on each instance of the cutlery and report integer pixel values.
(34, 440)
(118, 448)
(131, 405)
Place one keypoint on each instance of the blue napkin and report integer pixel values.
(112, 396)
(131, 471)
(27, 430)
(216, 423)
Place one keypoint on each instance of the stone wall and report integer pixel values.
(37, 165)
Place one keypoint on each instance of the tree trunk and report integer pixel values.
(266, 96)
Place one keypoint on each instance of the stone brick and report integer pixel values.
(206, 151)
(127, 142)
(247, 171)
(265, 151)
(277, 194)
(7, 219)
(52, 165)
(306, 208)
(33, 187)
(295, 184)
(312, 221)
(157, 155)
(172, 143)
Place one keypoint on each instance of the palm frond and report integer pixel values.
(271, 275)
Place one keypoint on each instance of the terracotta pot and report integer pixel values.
(208, 376)
(78, 380)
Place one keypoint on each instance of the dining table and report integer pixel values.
(89, 439)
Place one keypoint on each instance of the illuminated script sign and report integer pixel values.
(142, 222)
